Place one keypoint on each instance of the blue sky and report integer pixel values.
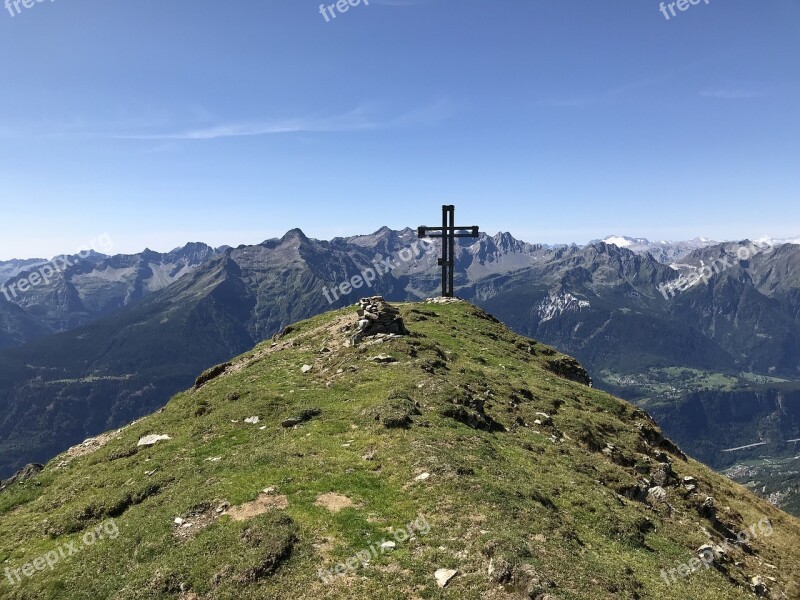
(231, 122)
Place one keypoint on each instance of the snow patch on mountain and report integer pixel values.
(619, 241)
(664, 252)
(771, 241)
(556, 305)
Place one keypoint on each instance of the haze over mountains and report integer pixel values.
(718, 364)
(90, 288)
(98, 285)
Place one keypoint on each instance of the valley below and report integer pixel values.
(743, 425)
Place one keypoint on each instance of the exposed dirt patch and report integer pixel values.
(324, 547)
(333, 502)
(91, 445)
(334, 340)
(264, 503)
(198, 518)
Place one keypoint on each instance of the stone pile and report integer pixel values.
(375, 317)
(443, 300)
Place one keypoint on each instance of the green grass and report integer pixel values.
(542, 500)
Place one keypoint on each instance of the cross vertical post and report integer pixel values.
(451, 254)
(448, 232)
(445, 260)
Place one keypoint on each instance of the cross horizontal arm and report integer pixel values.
(473, 229)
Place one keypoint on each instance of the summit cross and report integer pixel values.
(448, 232)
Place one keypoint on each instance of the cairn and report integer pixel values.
(376, 317)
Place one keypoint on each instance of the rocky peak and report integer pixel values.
(295, 234)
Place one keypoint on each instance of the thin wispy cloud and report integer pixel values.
(245, 129)
(603, 96)
(732, 94)
(206, 127)
(359, 119)
(624, 90)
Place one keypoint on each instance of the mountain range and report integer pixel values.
(716, 362)
(87, 288)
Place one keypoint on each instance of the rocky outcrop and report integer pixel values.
(23, 474)
(569, 368)
(210, 374)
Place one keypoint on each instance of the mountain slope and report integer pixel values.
(445, 432)
(58, 390)
(83, 289)
(61, 389)
(17, 326)
(602, 304)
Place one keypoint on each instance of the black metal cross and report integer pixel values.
(449, 233)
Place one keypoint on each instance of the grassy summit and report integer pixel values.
(463, 445)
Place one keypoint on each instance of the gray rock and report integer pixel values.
(443, 576)
(662, 474)
(758, 586)
(383, 358)
(656, 494)
(151, 440)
